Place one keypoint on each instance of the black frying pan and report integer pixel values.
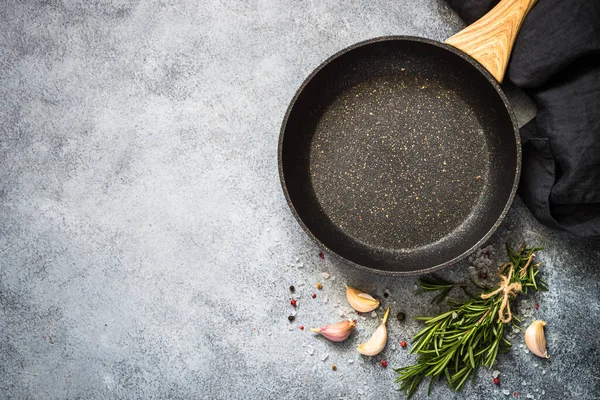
(400, 154)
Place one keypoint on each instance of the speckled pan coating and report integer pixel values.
(399, 155)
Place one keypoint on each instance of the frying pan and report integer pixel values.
(401, 155)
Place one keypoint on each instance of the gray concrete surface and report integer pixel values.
(145, 245)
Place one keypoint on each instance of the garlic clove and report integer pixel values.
(337, 332)
(377, 341)
(535, 339)
(361, 302)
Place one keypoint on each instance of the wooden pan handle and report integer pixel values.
(490, 39)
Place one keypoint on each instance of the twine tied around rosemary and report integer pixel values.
(508, 289)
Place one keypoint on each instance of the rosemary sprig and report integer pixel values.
(456, 343)
(434, 284)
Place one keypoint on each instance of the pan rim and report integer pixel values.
(500, 93)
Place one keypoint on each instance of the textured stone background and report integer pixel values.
(145, 245)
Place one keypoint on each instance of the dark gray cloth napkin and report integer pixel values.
(556, 60)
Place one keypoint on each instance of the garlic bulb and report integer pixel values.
(337, 332)
(378, 340)
(535, 340)
(361, 302)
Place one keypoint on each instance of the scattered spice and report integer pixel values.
(291, 318)
(319, 285)
(293, 302)
(403, 344)
(386, 294)
(537, 306)
(483, 275)
(496, 381)
(292, 289)
(321, 255)
(334, 367)
(314, 296)
(301, 327)
(401, 316)
(516, 394)
(384, 364)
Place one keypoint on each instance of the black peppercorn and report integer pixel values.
(292, 288)
(291, 318)
(401, 316)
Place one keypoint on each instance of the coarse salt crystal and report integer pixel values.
(526, 351)
(324, 357)
(495, 374)
(373, 314)
(325, 275)
(310, 351)
(350, 361)
(521, 345)
(530, 396)
(333, 278)
(543, 373)
(524, 383)
(505, 392)
(535, 365)
(325, 299)
(341, 313)
(416, 287)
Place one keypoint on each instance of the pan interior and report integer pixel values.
(399, 155)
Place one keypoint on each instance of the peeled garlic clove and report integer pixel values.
(535, 340)
(378, 340)
(337, 332)
(360, 301)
